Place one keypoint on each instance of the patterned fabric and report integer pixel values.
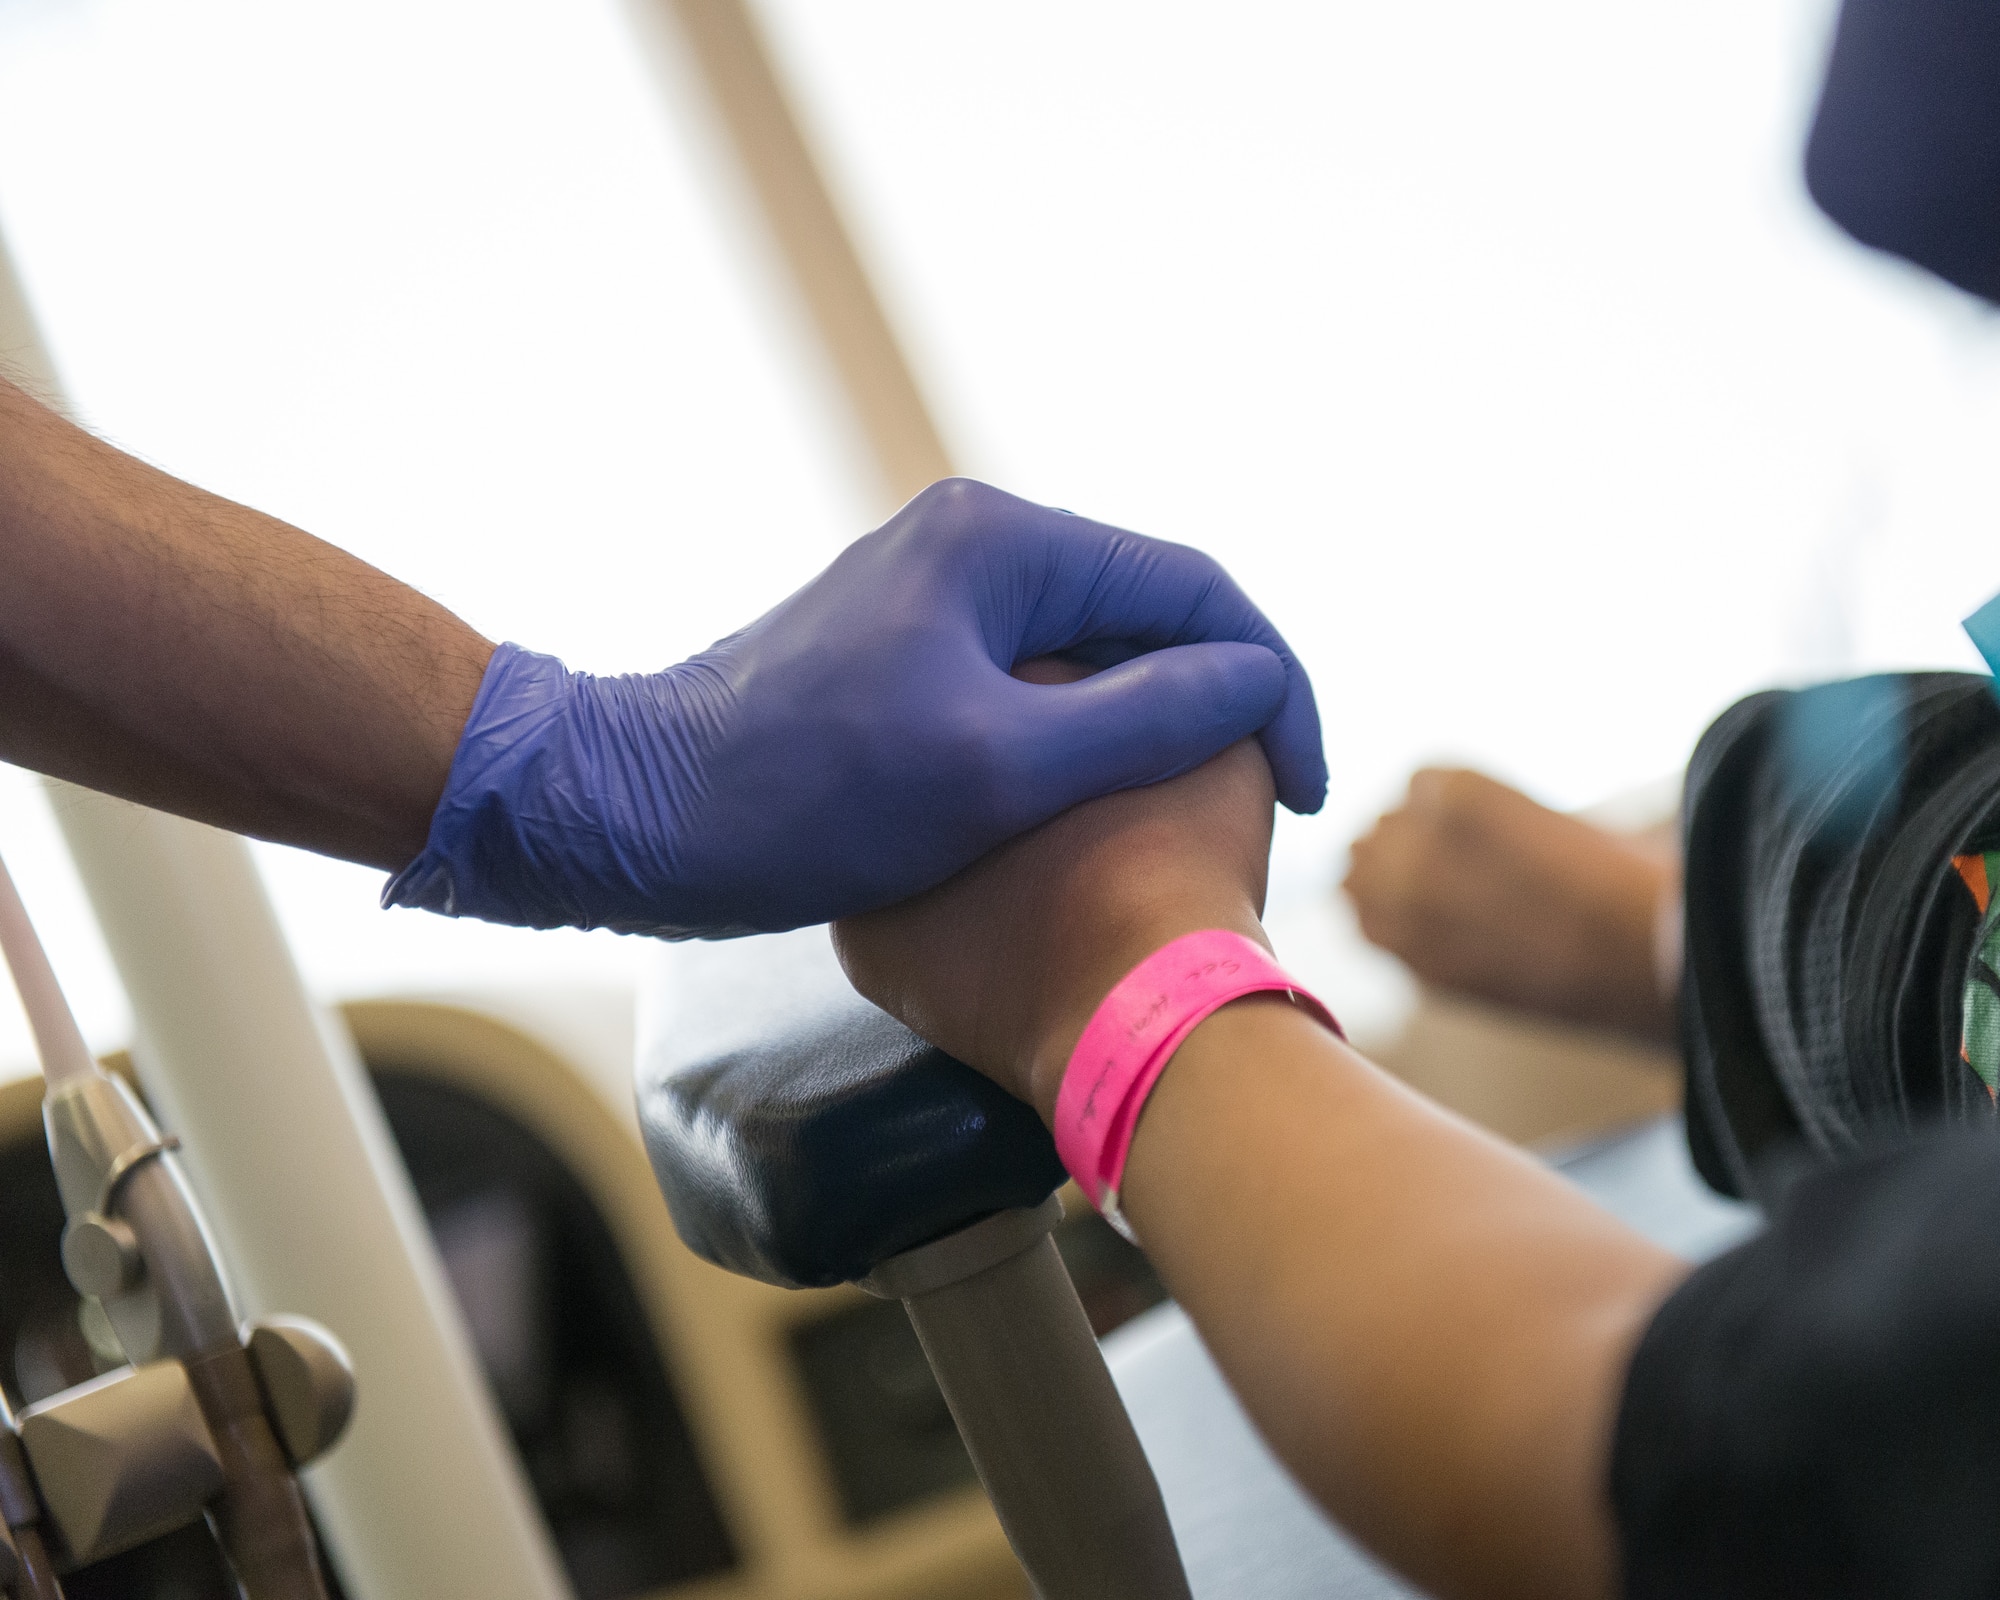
(1829, 939)
(1979, 1042)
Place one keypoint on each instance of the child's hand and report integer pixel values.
(1004, 964)
(1481, 890)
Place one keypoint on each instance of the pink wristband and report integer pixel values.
(1133, 1035)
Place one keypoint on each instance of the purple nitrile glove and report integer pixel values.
(862, 740)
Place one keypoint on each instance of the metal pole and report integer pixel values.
(288, 1151)
(287, 1147)
(1000, 1323)
(748, 93)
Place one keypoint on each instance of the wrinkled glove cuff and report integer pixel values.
(489, 853)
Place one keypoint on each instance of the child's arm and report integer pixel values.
(1431, 1329)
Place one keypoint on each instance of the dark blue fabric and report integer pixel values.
(863, 740)
(812, 1159)
(1905, 150)
(1816, 1415)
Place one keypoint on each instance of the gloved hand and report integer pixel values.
(863, 740)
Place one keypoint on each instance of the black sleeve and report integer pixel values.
(1816, 1415)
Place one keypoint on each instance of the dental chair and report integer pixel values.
(805, 1139)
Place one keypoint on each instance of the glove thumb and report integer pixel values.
(1143, 721)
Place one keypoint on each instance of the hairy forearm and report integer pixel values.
(164, 644)
(1430, 1328)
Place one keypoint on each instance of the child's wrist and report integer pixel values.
(1134, 1036)
(1113, 955)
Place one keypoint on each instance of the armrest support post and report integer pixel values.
(1007, 1338)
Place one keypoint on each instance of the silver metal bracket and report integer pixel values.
(122, 1459)
(126, 1161)
(100, 1140)
(307, 1381)
(100, 1252)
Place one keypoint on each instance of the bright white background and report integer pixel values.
(1494, 347)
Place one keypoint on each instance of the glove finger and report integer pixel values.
(1111, 591)
(1044, 581)
(1294, 745)
(1152, 718)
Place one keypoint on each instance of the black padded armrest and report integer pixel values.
(811, 1157)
